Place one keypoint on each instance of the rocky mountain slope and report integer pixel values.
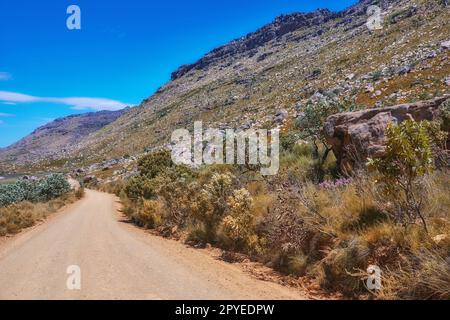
(264, 78)
(52, 140)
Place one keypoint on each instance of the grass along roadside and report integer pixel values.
(16, 217)
(309, 221)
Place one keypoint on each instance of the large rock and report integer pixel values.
(355, 136)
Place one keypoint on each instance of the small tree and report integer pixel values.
(176, 189)
(310, 125)
(408, 159)
(210, 205)
(238, 225)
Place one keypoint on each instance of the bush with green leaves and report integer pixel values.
(140, 187)
(408, 158)
(310, 123)
(153, 164)
(150, 166)
(239, 225)
(210, 205)
(33, 190)
(175, 188)
(52, 186)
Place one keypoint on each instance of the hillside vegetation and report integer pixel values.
(311, 220)
(28, 201)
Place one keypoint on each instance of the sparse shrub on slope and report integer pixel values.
(408, 159)
(153, 164)
(209, 207)
(239, 225)
(175, 189)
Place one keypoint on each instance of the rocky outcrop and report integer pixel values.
(355, 136)
(282, 25)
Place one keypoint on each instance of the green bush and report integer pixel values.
(239, 225)
(153, 164)
(53, 186)
(175, 188)
(45, 189)
(210, 205)
(140, 187)
(408, 158)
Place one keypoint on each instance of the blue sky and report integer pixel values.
(124, 51)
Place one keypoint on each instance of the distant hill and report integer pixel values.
(52, 140)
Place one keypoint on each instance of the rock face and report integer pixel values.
(355, 136)
(282, 25)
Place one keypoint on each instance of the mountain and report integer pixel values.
(52, 140)
(275, 70)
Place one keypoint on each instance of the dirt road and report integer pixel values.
(117, 261)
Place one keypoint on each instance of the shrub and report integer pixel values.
(53, 186)
(425, 276)
(288, 141)
(209, 208)
(34, 190)
(153, 164)
(79, 193)
(175, 189)
(148, 215)
(408, 159)
(310, 123)
(140, 187)
(297, 265)
(238, 226)
(342, 262)
(18, 216)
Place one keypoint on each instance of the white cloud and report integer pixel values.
(6, 114)
(4, 76)
(78, 103)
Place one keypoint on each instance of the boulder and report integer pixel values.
(74, 184)
(90, 179)
(281, 115)
(447, 81)
(446, 45)
(356, 136)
